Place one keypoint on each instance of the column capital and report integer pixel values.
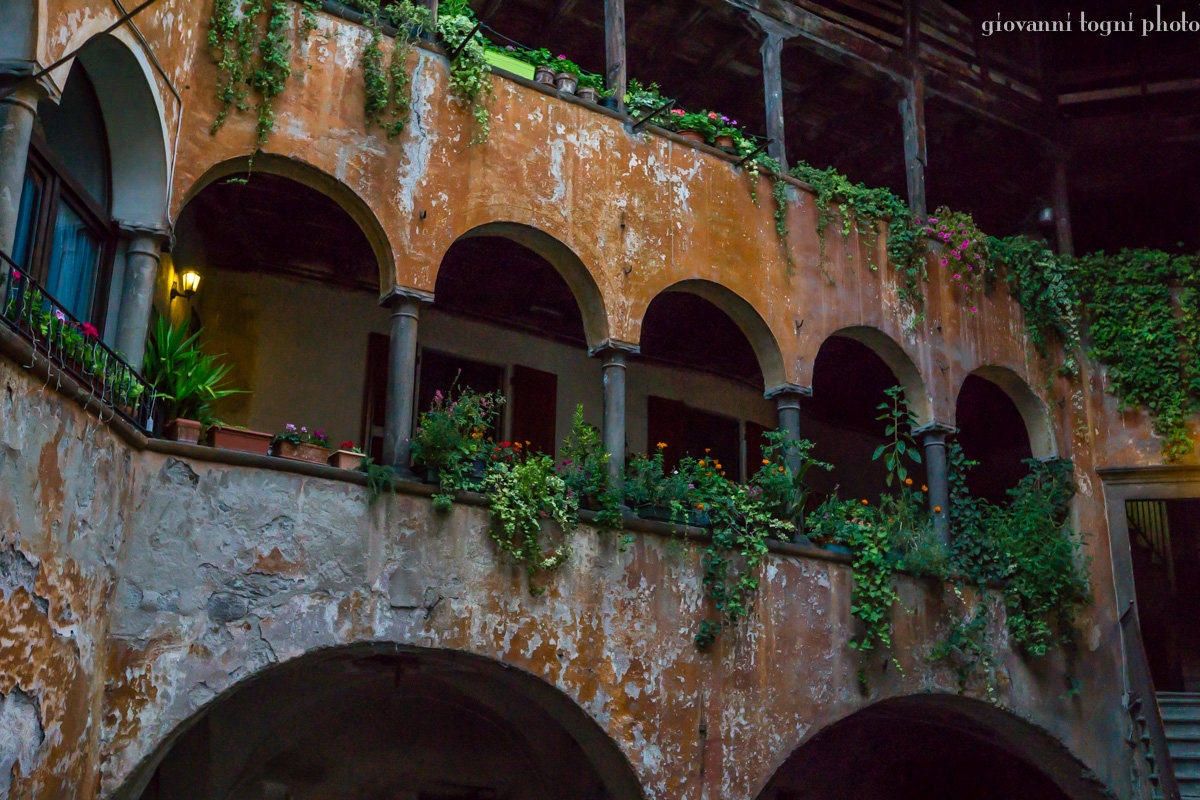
(398, 294)
(774, 27)
(934, 429)
(614, 345)
(785, 389)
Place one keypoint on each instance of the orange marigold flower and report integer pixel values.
(702, 463)
(781, 469)
(707, 449)
(865, 503)
(908, 481)
(937, 509)
(766, 461)
(662, 445)
(924, 488)
(700, 506)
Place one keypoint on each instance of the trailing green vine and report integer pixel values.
(470, 73)
(249, 42)
(525, 492)
(1041, 284)
(387, 102)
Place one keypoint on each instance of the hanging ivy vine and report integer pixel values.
(250, 44)
(386, 84)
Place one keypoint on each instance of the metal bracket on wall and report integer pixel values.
(667, 106)
(462, 45)
(757, 150)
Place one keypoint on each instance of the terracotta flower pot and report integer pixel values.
(695, 136)
(587, 93)
(345, 459)
(724, 142)
(312, 453)
(237, 439)
(186, 431)
(544, 75)
(567, 82)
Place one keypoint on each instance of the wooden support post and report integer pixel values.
(772, 54)
(912, 109)
(1062, 210)
(912, 112)
(614, 50)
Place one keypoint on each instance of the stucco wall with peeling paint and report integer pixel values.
(153, 583)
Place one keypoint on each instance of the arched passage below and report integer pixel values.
(566, 263)
(757, 331)
(386, 721)
(327, 185)
(928, 747)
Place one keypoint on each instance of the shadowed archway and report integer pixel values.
(386, 721)
(932, 747)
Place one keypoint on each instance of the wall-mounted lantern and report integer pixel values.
(187, 285)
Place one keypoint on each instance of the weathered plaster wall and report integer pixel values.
(168, 581)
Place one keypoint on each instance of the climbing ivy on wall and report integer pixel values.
(250, 43)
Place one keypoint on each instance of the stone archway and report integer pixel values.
(388, 721)
(925, 747)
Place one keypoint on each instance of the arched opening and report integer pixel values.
(514, 312)
(96, 165)
(991, 431)
(929, 747)
(841, 418)
(705, 358)
(396, 723)
(289, 294)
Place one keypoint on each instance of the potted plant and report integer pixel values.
(698, 126)
(567, 76)
(654, 493)
(232, 437)
(591, 88)
(585, 471)
(726, 134)
(451, 440)
(299, 444)
(186, 381)
(509, 59)
(543, 63)
(347, 456)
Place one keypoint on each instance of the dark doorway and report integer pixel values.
(1164, 541)
(991, 431)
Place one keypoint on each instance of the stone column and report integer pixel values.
(787, 404)
(137, 294)
(17, 112)
(402, 376)
(614, 413)
(933, 437)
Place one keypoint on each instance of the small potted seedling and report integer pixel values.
(347, 456)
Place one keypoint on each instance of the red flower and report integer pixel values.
(346, 445)
(90, 330)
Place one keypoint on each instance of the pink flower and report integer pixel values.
(712, 115)
(957, 276)
(16, 274)
(943, 262)
(90, 330)
(60, 316)
(974, 309)
(933, 221)
(679, 112)
(564, 58)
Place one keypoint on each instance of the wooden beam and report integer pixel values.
(912, 109)
(772, 52)
(564, 8)
(614, 50)
(1062, 209)
(843, 46)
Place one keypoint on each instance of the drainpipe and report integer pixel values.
(137, 293)
(17, 112)
(933, 437)
(402, 375)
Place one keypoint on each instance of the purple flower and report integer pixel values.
(957, 276)
(320, 434)
(933, 221)
(289, 428)
(564, 58)
(303, 429)
(943, 262)
(60, 316)
(724, 118)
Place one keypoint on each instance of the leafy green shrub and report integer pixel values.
(585, 471)
(524, 494)
(186, 381)
(451, 439)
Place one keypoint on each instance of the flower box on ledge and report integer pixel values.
(346, 459)
(313, 453)
(509, 64)
(185, 431)
(240, 439)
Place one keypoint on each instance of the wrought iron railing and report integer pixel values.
(74, 347)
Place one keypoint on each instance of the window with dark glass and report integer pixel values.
(65, 238)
